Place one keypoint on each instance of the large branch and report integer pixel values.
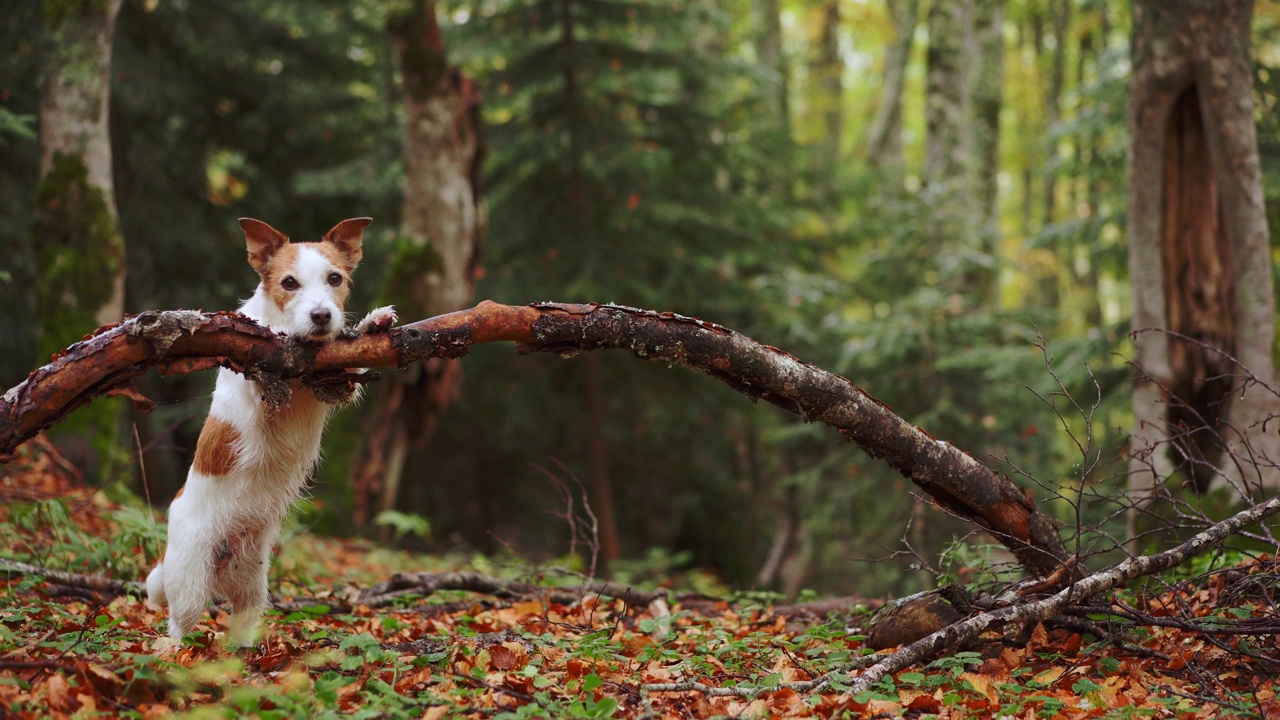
(183, 341)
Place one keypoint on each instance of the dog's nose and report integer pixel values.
(321, 317)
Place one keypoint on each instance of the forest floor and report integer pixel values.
(555, 652)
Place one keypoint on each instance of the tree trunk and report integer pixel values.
(437, 257)
(601, 496)
(1199, 250)
(1060, 12)
(884, 139)
(79, 251)
(988, 96)
(770, 56)
(948, 99)
(828, 68)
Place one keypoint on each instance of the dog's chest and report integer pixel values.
(278, 446)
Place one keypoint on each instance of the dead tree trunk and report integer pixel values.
(185, 341)
(1199, 252)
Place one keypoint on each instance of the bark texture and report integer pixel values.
(949, 98)
(988, 97)
(184, 341)
(1199, 247)
(437, 257)
(79, 248)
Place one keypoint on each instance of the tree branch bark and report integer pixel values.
(182, 340)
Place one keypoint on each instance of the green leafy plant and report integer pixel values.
(403, 524)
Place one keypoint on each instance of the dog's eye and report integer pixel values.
(335, 279)
(289, 283)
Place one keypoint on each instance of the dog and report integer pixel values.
(253, 461)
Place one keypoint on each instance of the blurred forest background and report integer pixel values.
(912, 193)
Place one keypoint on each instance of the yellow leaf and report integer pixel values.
(1050, 676)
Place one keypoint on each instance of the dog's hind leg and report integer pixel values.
(243, 580)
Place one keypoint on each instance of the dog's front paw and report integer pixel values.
(379, 320)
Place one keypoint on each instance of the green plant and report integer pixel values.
(403, 524)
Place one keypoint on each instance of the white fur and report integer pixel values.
(222, 528)
(311, 271)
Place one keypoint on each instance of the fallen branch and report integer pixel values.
(1040, 610)
(97, 583)
(184, 341)
(399, 586)
(423, 584)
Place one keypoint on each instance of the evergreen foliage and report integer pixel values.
(623, 171)
(635, 156)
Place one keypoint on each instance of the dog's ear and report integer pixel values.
(263, 241)
(347, 236)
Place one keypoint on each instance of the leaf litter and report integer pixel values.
(73, 651)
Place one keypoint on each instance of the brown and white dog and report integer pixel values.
(252, 462)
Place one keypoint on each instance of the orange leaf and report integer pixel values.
(501, 658)
(920, 701)
(435, 713)
(56, 690)
(1050, 676)
(982, 685)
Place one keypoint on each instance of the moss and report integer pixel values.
(57, 12)
(410, 263)
(78, 250)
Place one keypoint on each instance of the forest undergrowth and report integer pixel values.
(541, 643)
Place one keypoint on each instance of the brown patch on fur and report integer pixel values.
(215, 451)
(348, 237)
(262, 241)
(343, 264)
(276, 270)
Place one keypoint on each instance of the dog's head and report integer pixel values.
(305, 285)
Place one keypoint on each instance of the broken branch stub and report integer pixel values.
(181, 341)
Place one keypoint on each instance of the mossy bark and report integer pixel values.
(79, 251)
(436, 261)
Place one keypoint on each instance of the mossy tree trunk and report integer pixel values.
(436, 262)
(884, 139)
(1199, 252)
(79, 251)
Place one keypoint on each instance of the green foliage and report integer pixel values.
(632, 156)
(403, 524)
(16, 126)
(79, 252)
(622, 169)
(409, 265)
